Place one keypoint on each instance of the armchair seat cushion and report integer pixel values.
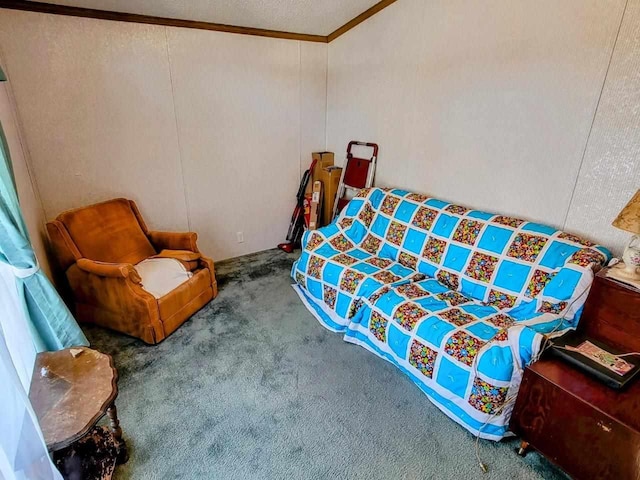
(162, 275)
(182, 297)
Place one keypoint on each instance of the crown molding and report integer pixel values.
(359, 19)
(42, 7)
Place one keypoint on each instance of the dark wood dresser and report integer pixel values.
(586, 428)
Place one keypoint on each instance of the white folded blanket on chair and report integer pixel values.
(162, 275)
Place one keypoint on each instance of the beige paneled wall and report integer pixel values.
(95, 102)
(239, 130)
(610, 174)
(205, 130)
(490, 104)
(313, 100)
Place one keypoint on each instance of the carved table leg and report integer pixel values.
(116, 431)
(524, 447)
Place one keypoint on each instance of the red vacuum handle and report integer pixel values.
(363, 144)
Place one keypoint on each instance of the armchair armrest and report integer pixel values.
(112, 295)
(182, 255)
(111, 270)
(174, 240)
(188, 258)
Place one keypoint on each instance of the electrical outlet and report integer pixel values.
(240, 237)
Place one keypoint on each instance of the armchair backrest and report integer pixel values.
(111, 231)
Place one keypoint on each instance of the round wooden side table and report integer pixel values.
(70, 391)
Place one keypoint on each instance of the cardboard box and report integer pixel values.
(316, 205)
(330, 178)
(325, 172)
(323, 160)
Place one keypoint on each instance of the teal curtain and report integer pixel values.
(51, 324)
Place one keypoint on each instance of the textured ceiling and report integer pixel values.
(318, 17)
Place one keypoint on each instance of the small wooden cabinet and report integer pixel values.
(586, 428)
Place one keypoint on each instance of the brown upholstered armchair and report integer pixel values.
(99, 248)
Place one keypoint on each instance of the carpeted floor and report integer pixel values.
(253, 387)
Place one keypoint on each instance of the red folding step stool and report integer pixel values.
(357, 173)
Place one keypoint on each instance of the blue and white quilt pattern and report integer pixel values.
(456, 298)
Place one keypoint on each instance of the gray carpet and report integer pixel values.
(254, 387)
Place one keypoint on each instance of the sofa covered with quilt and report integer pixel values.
(458, 299)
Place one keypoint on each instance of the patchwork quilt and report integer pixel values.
(458, 299)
